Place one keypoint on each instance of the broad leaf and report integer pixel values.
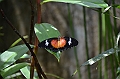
(11, 55)
(44, 31)
(12, 69)
(86, 3)
(26, 72)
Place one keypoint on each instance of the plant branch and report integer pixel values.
(30, 40)
(36, 39)
(38, 12)
(30, 49)
(32, 22)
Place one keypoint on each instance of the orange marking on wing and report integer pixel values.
(58, 43)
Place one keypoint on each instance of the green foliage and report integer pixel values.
(44, 31)
(86, 3)
(1, 0)
(9, 57)
(116, 6)
(12, 69)
(118, 73)
(100, 56)
(26, 72)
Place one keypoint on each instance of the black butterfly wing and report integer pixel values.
(70, 42)
(47, 44)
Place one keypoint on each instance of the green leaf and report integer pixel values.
(118, 71)
(26, 72)
(116, 6)
(12, 69)
(1, 0)
(11, 55)
(44, 31)
(25, 56)
(118, 77)
(18, 40)
(86, 3)
(100, 56)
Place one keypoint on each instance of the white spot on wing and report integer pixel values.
(59, 52)
(69, 42)
(46, 43)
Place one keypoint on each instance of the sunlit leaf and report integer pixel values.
(12, 69)
(100, 56)
(26, 72)
(107, 9)
(26, 56)
(86, 3)
(11, 55)
(44, 31)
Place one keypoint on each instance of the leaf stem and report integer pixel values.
(86, 43)
(75, 50)
(100, 45)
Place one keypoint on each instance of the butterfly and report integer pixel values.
(58, 43)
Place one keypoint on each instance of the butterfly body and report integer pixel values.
(58, 44)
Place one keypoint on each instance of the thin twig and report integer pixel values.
(30, 39)
(38, 12)
(32, 22)
(36, 39)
